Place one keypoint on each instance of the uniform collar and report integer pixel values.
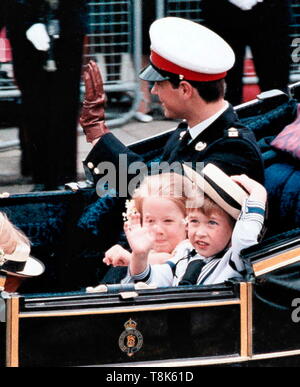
(199, 128)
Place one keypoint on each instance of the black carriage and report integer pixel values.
(54, 321)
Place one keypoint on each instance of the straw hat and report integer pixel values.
(219, 187)
(20, 263)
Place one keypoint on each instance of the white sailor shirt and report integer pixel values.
(217, 269)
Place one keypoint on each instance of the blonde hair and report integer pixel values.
(172, 186)
(10, 235)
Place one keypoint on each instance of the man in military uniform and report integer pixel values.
(188, 64)
(47, 45)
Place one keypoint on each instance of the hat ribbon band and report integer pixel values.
(171, 67)
(223, 194)
(12, 266)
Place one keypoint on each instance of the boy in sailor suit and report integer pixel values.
(216, 236)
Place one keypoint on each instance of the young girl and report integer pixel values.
(15, 262)
(212, 253)
(160, 204)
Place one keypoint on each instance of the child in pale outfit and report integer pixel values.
(160, 201)
(211, 254)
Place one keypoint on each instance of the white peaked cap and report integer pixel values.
(188, 50)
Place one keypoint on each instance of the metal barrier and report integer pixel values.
(295, 36)
(114, 42)
(187, 9)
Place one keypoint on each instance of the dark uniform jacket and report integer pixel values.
(22, 14)
(2, 14)
(225, 143)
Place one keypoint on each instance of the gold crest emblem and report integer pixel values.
(130, 340)
(200, 146)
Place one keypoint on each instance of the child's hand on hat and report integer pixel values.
(117, 256)
(256, 191)
(92, 118)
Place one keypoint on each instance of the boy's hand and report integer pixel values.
(117, 256)
(256, 191)
(92, 118)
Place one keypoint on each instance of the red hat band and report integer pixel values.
(171, 67)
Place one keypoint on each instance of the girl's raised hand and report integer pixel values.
(139, 238)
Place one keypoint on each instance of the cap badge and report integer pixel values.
(233, 132)
(181, 134)
(200, 146)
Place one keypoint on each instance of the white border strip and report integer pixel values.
(204, 361)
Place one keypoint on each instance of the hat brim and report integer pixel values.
(151, 74)
(219, 187)
(33, 268)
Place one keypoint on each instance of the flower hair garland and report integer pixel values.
(130, 210)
